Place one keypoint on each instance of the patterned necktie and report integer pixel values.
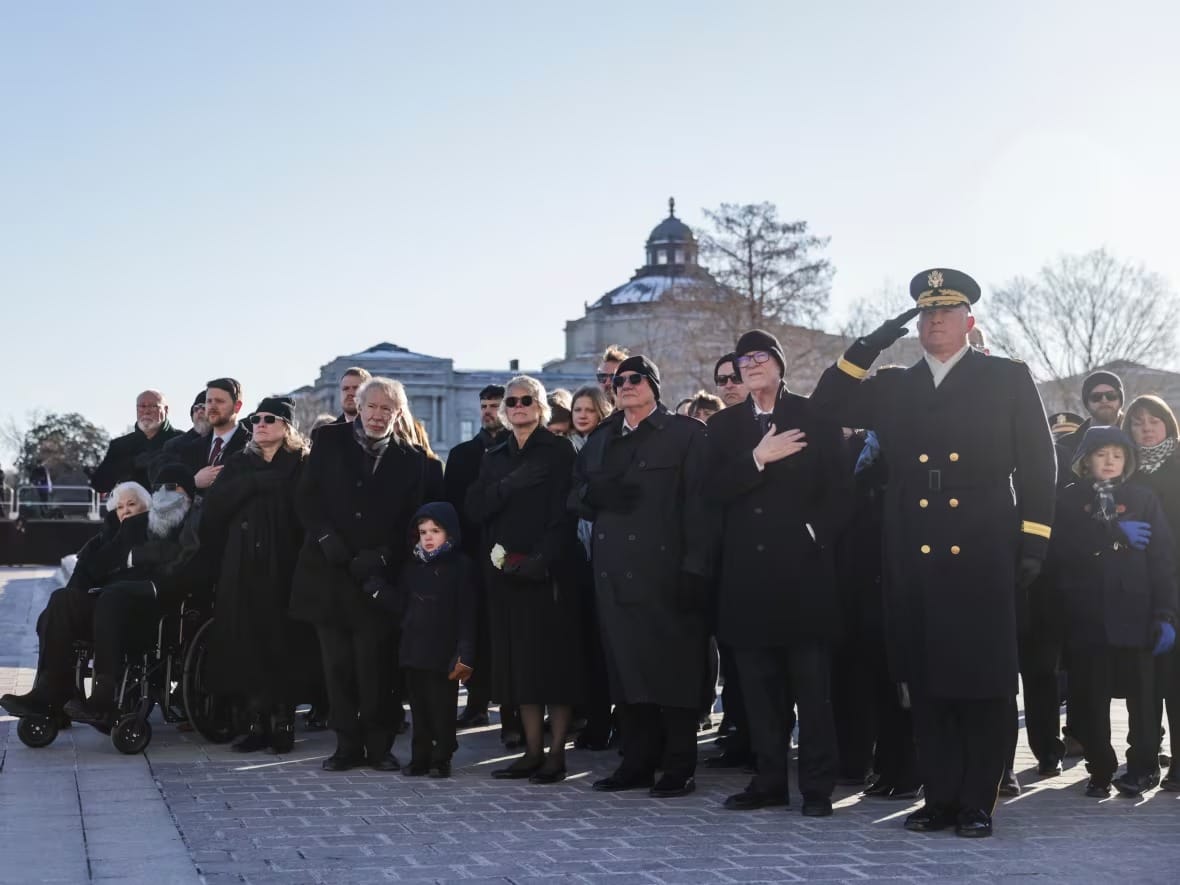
(215, 454)
(764, 422)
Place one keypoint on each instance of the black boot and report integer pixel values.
(101, 709)
(282, 732)
(257, 738)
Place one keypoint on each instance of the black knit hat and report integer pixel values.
(759, 340)
(1102, 377)
(198, 400)
(643, 366)
(176, 472)
(282, 406)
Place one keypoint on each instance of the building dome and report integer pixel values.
(671, 229)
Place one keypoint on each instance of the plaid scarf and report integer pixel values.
(374, 449)
(1104, 508)
(423, 555)
(1153, 458)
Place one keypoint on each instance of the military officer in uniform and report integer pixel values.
(1061, 423)
(968, 512)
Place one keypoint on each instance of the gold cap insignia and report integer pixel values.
(934, 279)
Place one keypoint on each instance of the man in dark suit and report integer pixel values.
(206, 455)
(131, 456)
(462, 470)
(961, 431)
(779, 477)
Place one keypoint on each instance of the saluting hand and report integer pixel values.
(889, 331)
(776, 446)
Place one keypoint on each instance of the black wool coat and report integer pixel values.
(1112, 594)
(462, 470)
(653, 620)
(1165, 482)
(194, 453)
(972, 478)
(779, 526)
(436, 605)
(339, 492)
(131, 458)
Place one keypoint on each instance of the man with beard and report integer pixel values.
(205, 455)
(462, 470)
(196, 414)
(130, 457)
(160, 573)
(350, 383)
(1102, 395)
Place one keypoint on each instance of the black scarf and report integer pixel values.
(374, 449)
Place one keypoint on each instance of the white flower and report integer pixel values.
(497, 556)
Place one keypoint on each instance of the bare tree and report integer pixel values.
(1082, 312)
(869, 311)
(771, 265)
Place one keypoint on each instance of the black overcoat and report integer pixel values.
(436, 606)
(131, 458)
(653, 622)
(339, 492)
(194, 452)
(779, 526)
(462, 470)
(971, 490)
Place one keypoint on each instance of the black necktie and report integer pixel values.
(764, 422)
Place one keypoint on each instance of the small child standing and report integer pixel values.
(435, 599)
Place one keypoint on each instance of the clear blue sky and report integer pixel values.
(189, 190)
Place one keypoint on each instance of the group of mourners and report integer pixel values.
(875, 565)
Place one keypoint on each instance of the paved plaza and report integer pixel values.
(191, 812)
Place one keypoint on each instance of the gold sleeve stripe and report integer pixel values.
(1036, 528)
(851, 369)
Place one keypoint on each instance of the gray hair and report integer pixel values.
(392, 389)
(535, 389)
(129, 488)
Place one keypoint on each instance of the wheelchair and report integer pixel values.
(171, 674)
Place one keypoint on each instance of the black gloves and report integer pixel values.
(334, 549)
(367, 563)
(523, 477)
(1029, 571)
(380, 589)
(531, 568)
(612, 494)
(888, 332)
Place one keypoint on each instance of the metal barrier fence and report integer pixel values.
(58, 502)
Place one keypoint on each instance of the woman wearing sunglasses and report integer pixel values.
(519, 501)
(254, 653)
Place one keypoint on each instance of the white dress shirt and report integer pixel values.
(939, 369)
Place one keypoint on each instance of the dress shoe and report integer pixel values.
(727, 760)
(441, 770)
(929, 819)
(1096, 789)
(621, 781)
(80, 710)
(749, 800)
(415, 769)
(1009, 785)
(472, 718)
(879, 788)
(894, 791)
(817, 806)
(1049, 767)
(1136, 785)
(385, 762)
(1171, 783)
(251, 743)
(670, 786)
(973, 823)
(21, 705)
(522, 768)
(341, 761)
(548, 775)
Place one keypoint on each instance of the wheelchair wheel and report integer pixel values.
(36, 731)
(131, 736)
(213, 717)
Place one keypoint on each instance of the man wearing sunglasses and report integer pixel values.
(1102, 395)
(605, 376)
(728, 379)
(639, 479)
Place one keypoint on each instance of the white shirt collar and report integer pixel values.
(629, 428)
(224, 437)
(939, 370)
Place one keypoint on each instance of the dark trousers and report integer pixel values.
(1040, 655)
(961, 749)
(126, 619)
(733, 704)
(655, 737)
(67, 618)
(433, 702)
(853, 709)
(358, 670)
(596, 710)
(1167, 691)
(479, 686)
(771, 679)
(1096, 676)
(894, 758)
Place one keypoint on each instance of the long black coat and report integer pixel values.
(339, 492)
(653, 622)
(1112, 593)
(954, 529)
(131, 457)
(536, 640)
(258, 652)
(436, 606)
(463, 464)
(776, 575)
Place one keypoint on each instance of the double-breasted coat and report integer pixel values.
(779, 525)
(971, 491)
(650, 564)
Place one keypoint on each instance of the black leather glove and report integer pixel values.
(612, 494)
(380, 589)
(1030, 569)
(523, 477)
(888, 332)
(366, 564)
(531, 568)
(334, 549)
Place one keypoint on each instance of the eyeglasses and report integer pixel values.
(634, 379)
(723, 380)
(749, 359)
(1110, 396)
(605, 377)
(513, 401)
(167, 487)
(264, 419)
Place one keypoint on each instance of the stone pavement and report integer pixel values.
(189, 812)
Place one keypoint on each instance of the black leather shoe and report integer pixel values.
(546, 775)
(929, 819)
(1171, 783)
(386, 762)
(727, 760)
(905, 791)
(670, 786)
(1136, 785)
(251, 743)
(282, 737)
(522, 768)
(340, 761)
(415, 769)
(470, 718)
(87, 712)
(442, 770)
(879, 787)
(973, 823)
(21, 705)
(1009, 785)
(817, 806)
(1049, 767)
(618, 781)
(1096, 789)
(750, 800)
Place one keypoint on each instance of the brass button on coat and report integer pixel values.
(954, 502)
(955, 550)
(923, 458)
(925, 548)
(923, 503)
(954, 456)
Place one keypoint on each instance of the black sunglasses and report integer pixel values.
(634, 379)
(264, 419)
(722, 380)
(604, 377)
(512, 401)
(1109, 395)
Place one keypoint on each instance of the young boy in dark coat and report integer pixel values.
(435, 600)
(1112, 553)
